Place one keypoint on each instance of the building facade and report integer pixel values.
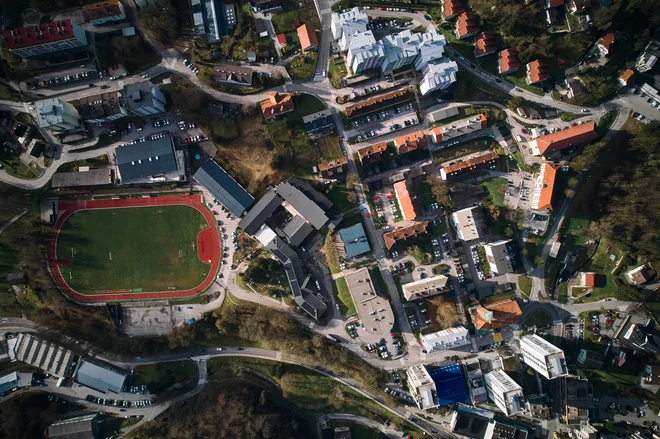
(108, 11)
(57, 115)
(422, 387)
(44, 39)
(544, 357)
(504, 392)
(145, 99)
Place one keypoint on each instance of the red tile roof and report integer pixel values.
(485, 44)
(548, 186)
(453, 7)
(410, 142)
(40, 34)
(509, 60)
(606, 40)
(307, 36)
(402, 194)
(537, 71)
(566, 138)
(626, 76)
(392, 237)
(277, 103)
(497, 314)
(372, 154)
(470, 164)
(555, 3)
(108, 8)
(467, 24)
(281, 38)
(590, 280)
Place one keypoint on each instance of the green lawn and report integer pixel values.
(339, 196)
(132, 249)
(494, 190)
(110, 425)
(302, 66)
(525, 286)
(15, 166)
(540, 319)
(337, 71)
(284, 20)
(346, 304)
(519, 80)
(176, 377)
(8, 305)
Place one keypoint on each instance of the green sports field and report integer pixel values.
(138, 249)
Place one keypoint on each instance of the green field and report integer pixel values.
(147, 248)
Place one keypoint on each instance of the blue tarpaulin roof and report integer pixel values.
(449, 383)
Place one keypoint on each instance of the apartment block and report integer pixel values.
(422, 387)
(501, 256)
(459, 128)
(57, 115)
(504, 392)
(469, 223)
(109, 11)
(46, 38)
(346, 24)
(144, 98)
(544, 357)
(364, 53)
(544, 187)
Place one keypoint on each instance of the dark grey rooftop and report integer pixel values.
(99, 378)
(146, 159)
(223, 187)
(81, 427)
(260, 212)
(302, 204)
(297, 230)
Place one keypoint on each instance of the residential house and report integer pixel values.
(604, 44)
(426, 287)
(626, 77)
(495, 315)
(638, 276)
(588, 280)
(590, 359)
(459, 128)
(266, 5)
(336, 168)
(575, 87)
(372, 154)
(554, 10)
(484, 44)
(648, 59)
(276, 105)
(537, 71)
(544, 187)
(405, 200)
(508, 62)
(319, 124)
(502, 256)
(484, 161)
(638, 337)
(467, 25)
(451, 8)
(450, 338)
(45, 38)
(307, 38)
(57, 115)
(108, 11)
(103, 107)
(577, 6)
(21, 131)
(37, 149)
(469, 223)
(410, 142)
(260, 28)
(232, 74)
(404, 233)
(567, 138)
(144, 99)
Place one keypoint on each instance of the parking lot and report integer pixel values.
(383, 122)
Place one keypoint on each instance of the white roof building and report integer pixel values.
(443, 113)
(450, 338)
(505, 392)
(425, 287)
(544, 357)
(438, 75)
(422, 387)
(364, 52)
(56, 114)
(340, 19)
(468, 223)
(41, 354)
(497, 254)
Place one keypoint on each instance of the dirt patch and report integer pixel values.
(442, 313)
(248, 158)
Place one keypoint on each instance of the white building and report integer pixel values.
(443, 113)
(504, 392)
(438, 75)
(364, 53)
(497, 254)
(144, 98)
(57, 115)
(41, 354)
(425, 287)
(468, 222)
(422, 387)
(346, 24)
(544, 357)
(450, 338)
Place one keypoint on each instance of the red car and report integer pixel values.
(368, 214)
(214, 212)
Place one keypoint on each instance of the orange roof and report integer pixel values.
(452, 7)
(403, 233)
(606, 40)
(626, 75)
(402, 194)
(509, 60)
(470, 164)
(566, 138)
(372, 153)
(307, 36)
(277, 103)
(548, 185)
(555, 3)
(281, 38)
(108, 8)
(410, 142)
(589, 280)
(379, 99)
(496, 315)
(485, 44)
(466, 24)
(537, 71)
(333, 164)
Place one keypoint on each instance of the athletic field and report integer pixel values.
(132, 249)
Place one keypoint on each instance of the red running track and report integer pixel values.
(209, 247)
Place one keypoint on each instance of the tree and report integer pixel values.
(159, 17)
(570, 193)
(538, 261)
(181, 336)
(524, 251)
(572, 182)
(628, 293)
(508, 232)
(352, 197)
(515, 102)
(439, 189)
(351, 181)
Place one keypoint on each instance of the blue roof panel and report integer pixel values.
(449, 383)
(223, 187)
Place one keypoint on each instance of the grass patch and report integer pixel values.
(495, 297)
(469, 88)
(291, 11)
(8, 305)
(540, 319)
(519, 80)
(344, 299)
(605, 122)
(494, 190)
(337, 71)
(330, 251)
(111, 425)
(167, 379)
(131, 249)
(15, 166)
(8, 94)
(339, 196)
(302, 66)
(525, 286)
(463, 148)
